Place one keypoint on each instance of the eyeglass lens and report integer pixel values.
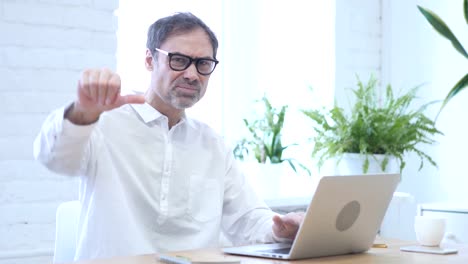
(180, 62)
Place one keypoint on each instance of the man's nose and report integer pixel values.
(191, 72)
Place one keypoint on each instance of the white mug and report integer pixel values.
(429, 230)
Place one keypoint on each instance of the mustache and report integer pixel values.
(183, 81)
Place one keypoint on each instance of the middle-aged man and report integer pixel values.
(152, 179)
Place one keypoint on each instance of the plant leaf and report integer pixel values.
(465, 8)
(439, 25)
(264, 141)
(456, 89)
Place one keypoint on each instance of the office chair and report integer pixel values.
(66, 229)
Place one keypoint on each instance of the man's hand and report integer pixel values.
(98, 91)
(286, 226)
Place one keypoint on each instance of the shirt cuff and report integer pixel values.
(74, 130)
(70, 129)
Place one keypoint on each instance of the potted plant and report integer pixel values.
(385, 126)
(440, 26)
(264, 142)
(262, 154)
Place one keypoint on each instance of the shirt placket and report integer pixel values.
(164, 195)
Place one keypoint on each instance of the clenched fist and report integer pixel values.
(98, 91)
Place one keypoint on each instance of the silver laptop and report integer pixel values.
(343, 217)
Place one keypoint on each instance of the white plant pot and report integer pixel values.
(273, 182)
(266, 178)
(352, 164)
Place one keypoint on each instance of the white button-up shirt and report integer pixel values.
(145, 188)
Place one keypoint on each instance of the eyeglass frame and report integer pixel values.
(191, 60)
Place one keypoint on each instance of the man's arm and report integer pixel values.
(246, 217)
(63, 144)
(98, 91)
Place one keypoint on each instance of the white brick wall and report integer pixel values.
(358, 44)
(44, 45)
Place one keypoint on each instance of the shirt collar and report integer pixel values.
(148, 114)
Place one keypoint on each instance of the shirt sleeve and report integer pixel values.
(246, 217)
(62, 146)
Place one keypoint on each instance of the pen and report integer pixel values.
(379, 246)
(173, 260)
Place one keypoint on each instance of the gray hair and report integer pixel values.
(178, 23)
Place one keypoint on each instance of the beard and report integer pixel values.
(181, 97)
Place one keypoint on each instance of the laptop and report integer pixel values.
(343, 217)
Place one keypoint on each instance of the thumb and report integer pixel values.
(278, 223)
(130, 99)
(277, 220)
(134, 99)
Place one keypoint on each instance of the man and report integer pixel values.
(152, 179)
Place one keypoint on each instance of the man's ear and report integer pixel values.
(149, 62)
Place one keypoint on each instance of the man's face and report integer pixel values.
(178, 90)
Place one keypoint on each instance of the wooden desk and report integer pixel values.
(390, 255)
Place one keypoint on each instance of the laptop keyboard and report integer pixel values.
(277, 250)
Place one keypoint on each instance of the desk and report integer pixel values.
(390, 255)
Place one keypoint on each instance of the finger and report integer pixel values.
(93, 79)
(83, 84)
(299, 218)
(102, 86)
(278, 225)
(287, 225)
(133, 99)
(277, 219)
(293, 219)
(82, 92)
(113, 92)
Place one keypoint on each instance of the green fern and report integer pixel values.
(388, 126)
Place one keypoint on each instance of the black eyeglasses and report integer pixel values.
(180, 62)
